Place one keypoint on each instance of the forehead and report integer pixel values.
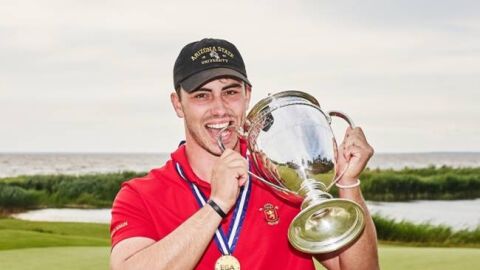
(221, 82)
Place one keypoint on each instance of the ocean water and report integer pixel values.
(460, 214)
(457, 214)
(81, 163)
(77, 163)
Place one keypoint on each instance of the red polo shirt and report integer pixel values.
(154, 205)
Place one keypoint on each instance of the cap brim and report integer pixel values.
(196, 80)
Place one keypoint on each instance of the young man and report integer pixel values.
(169, 218)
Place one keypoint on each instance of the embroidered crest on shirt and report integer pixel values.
(271, 214)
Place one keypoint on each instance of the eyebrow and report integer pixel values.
(232, 85)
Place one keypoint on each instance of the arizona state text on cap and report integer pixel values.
(202, 61)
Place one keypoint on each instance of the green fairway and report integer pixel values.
(68, 245)
(13, 239)
(55, 258)
(64, 228)
(420, 258)
(16, 234)
(394, 258)
(391, 258)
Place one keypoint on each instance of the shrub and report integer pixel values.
(16, 197)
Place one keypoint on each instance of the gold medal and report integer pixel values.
(227, 262)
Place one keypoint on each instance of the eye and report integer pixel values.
(231, 92)
(200, 96)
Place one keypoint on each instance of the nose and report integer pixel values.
(219, 107)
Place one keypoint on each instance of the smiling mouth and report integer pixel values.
(218, 126)
(215, 129)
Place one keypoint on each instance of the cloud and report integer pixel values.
(72, 70)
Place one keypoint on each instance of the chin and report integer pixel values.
(215, 149)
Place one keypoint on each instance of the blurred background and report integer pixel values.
(84, 96)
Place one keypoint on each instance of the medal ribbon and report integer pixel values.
(224, 244)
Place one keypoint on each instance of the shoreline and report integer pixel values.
(16, 164)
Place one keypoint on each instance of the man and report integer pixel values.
(169, 218)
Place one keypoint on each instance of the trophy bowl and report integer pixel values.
(294, 150)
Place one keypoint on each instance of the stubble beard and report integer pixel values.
(204, 141)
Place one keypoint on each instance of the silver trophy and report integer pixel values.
(293, 148)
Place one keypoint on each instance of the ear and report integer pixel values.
(248, 93)
(177, 105)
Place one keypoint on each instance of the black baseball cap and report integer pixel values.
(202, 61)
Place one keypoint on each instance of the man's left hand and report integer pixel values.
(354, 151)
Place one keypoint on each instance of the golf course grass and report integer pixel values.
(396, 258)
(16, 234)
(68, 245)
(55, 258)
(391, 258)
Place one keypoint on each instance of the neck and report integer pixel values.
(201, 162)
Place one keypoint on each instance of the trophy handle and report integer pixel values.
(343, 116)
(352, 125)
(242, 134)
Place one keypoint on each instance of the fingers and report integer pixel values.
(354, 151)
(230, 154)
(238, 164)
(354, 136)
(229, 173)
(234, 159)
(354, 132)
(355, 144)
(242, 180)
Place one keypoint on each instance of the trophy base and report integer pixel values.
(326, 226)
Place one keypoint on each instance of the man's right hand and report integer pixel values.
(229, 174)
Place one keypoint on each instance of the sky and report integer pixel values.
(95, 76)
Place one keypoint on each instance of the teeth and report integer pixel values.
(218, 126)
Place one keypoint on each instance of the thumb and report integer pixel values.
(242, 179)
